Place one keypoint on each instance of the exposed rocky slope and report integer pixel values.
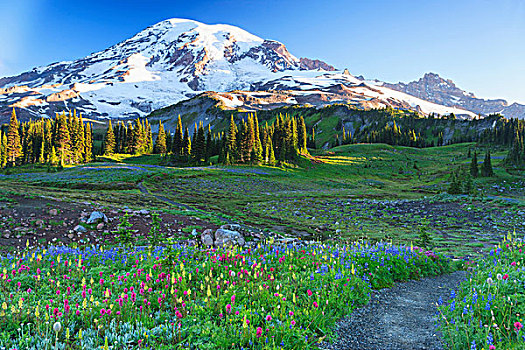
(432, 87)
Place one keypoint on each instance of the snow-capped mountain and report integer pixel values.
(178, 59)
(432, 87)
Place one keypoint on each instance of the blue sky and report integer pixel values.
(480, 44)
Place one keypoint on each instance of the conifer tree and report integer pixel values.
(160, 143)
(149, 138)
(88, 136)
(178, 139)
(3, 149)
(14, 146)
(271, 156)
(199, 145)
(109, 141)
(486, 168)
(231, 142)
(258, 149)
(53, 159)
(474, 165)
(209, 145)
(187, 143)
(3, 158)
(302, 136)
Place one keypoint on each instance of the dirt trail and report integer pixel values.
(398, 318)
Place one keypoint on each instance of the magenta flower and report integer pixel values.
(309, 292)
(268, 318)
(518, 326)
(259, 332)
(293, 323)
(315, 304)
(228, 308)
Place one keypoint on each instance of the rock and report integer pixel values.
(70, 236)
(97, 216)
(6, 235)
(231, 227)
(39, 223)
(207, 237)
(194, 232)
(53, 212)
(79, 228)
(228, 237)
(143, 212)
(100, 226)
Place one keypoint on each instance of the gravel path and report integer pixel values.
(398, 318)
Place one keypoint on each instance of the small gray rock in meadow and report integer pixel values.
(97, 216)
(80, 228)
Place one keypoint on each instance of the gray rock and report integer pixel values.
(228, 237)
(231, 227)
(80, 228)
(96, 217)
(207, 238)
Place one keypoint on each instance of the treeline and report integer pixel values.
(245, 142)
(511, 133)
(128, 138)
(283, 140)
(59, 141)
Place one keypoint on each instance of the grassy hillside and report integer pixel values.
(362, 191)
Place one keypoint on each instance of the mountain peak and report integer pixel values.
(167, 62)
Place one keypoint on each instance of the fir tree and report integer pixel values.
(88, 136)
(187, 143)
(160, 143)
(63, 140)
(178, 139)
(199, 145)
(486, 168)
(474, 165)
(3, 147)
(109, 141)
(14, 146)
(231, 142)
(455, 184)
(53, 159)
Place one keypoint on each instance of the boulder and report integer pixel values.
(228, 237)
(53, 212)
(97, 217)
(79, 228)
(100, 226)
(231, 227)
(207, 237)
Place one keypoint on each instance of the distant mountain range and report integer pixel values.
(178, 59)
(444, 92)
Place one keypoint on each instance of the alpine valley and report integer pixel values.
(197, 66)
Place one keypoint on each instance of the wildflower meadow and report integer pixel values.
(487, 311)
(269, 296)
